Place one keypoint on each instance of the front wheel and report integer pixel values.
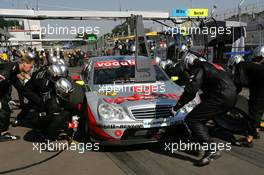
(83, 130)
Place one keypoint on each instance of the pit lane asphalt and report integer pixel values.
(142, 159)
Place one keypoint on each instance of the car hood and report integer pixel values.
(140, 94)
(137, 105)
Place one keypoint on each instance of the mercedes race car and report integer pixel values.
(119, 110)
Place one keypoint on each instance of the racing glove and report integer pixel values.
(177, 107)
(2, 78)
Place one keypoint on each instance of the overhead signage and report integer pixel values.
(197, 12)
(193, 12)
(179, 12)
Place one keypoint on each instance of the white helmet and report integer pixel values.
(165, 64)
(64, 69)
(259, 52)
(63, 88)
(31, 56)
(184, 48)
(189, 60)
(133, 48)
(53, 60)
(61, 62)
(234, 61)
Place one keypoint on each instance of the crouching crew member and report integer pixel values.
(8, 72)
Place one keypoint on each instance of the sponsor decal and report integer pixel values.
(163, 122)
(112, 93)
(218, 67)
(126, 126)
(114, 63)
(72, 125)
(197, 12)
(192, 12)
(179, 13)
(136, 97)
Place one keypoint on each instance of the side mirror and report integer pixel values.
(174, 78)
(80, 82)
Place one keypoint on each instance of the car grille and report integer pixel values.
(154, 112)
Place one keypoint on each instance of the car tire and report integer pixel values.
(237, 118)
(84, 125)
(234, 121)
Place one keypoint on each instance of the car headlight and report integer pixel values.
(111, 112)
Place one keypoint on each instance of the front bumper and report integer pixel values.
(131, 136)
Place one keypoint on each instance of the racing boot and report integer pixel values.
(6, 136)
(244, 142)
(207, 158)
(15, 123)
(22, 115)
(201, 132)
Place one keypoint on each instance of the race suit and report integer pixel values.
(9, 72)
(218, 96)
(40, 92)
(37, 91)
(251, 75)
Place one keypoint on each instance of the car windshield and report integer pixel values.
(122, 74)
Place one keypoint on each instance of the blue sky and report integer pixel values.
(162, 5)
(116, 5)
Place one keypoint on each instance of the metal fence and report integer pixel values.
(253, 15)
(247, 9)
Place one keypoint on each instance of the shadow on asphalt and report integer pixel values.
(33, 136)
(175, 136)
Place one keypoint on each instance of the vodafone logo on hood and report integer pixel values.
(114, 63)
(109, 64)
